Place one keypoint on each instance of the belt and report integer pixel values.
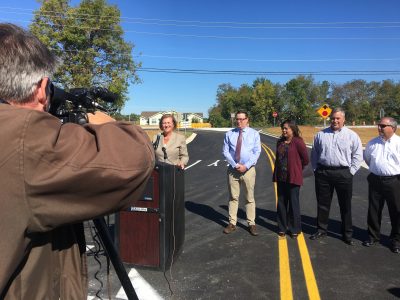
(322, 167)
(386, 177)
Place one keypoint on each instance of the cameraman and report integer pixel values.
(55, 176)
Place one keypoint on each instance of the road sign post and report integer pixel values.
(274, 114)
(232, 117)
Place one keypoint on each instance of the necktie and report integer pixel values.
(238, 146)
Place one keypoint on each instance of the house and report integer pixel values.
(193, 117)
(152, 118)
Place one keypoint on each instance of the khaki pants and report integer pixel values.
(235, 180)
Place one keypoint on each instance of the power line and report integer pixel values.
(269, 73)
(234, 25)
(238, 59)
(262, 38)
(224, 37)
(135, 19)
(229, 37)
(271, 60)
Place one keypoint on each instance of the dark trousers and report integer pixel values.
(326, 181)
(381, 189)
(288, 210)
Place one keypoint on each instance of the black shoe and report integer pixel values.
(395, 249)
(349, 242)
(318, 235)
(369, 243)
(294, 235)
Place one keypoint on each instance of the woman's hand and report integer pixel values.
(181, 166)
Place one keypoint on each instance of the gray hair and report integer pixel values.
(24, 62)
(392, 122)
(338, 109)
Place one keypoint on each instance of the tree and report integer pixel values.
(262, 101)
(88, 39)
(301, 95)
(356, 101)
(215, 117)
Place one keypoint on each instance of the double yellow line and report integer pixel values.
(284, 264)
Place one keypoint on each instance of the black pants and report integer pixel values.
(288, 210)
(381, 189)
(326, 181)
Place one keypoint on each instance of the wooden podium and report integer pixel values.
(152, 232)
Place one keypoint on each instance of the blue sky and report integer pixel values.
(332, 37)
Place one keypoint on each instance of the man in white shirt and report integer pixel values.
(382, 155)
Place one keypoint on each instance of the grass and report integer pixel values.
(308, 132)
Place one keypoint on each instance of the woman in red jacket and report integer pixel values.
(291, 158)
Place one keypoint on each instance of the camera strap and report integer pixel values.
(155, 145)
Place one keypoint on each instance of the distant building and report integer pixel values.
(152, 118)
(193, 117)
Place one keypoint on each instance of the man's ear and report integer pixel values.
(43, 92)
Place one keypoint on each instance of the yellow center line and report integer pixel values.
(271, 156)
(284, 270)
(311, 283)
(284, 265)
(285, 279)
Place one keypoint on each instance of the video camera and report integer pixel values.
(73, 106)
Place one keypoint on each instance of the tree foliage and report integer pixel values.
(301, 97)
(88, 39)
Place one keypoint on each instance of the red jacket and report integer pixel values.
(297, 160)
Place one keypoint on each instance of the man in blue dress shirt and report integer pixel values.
(241, 149)
(335, 157)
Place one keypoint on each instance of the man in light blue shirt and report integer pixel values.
(242, 148)
(335, 157)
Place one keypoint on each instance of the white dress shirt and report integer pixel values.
(383, 157)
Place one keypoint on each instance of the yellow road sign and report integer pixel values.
(324, 111)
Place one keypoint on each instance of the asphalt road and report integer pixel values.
(214, 265)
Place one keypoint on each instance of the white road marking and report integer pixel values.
(215, 164)
(192, 164)
(142, 288)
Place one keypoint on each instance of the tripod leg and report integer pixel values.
(106, 239)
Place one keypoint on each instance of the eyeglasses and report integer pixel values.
(240, 119)
(383, 125)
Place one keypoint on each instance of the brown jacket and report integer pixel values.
(176, 149)
(52, 177)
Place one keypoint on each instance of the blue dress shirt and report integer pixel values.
(250, 150)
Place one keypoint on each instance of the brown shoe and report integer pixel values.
(253, 230)
(230, 228)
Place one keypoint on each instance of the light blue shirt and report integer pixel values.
(337, 148)
(250, 150)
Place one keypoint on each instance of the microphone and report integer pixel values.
(165, 152)
(103, 94)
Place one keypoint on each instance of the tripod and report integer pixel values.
(112, 253)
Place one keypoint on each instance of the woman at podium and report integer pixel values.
(169, 146)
